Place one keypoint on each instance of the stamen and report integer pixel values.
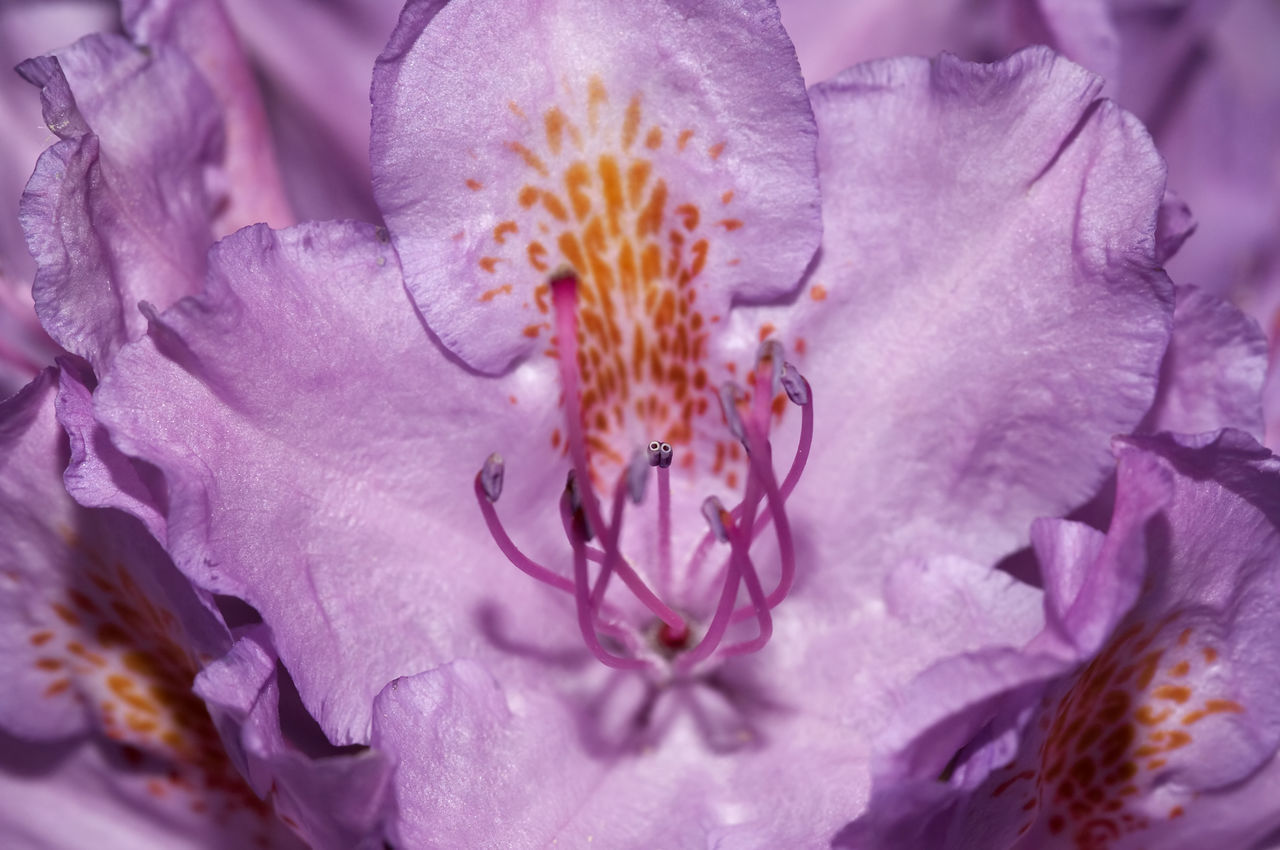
(564, 294)
(799, 393)
(491, 476)
(762, 471)
(586, 609)
(729, 396)
(741, 552)
(637, 477)
(717, 518)
(575, 522)
(660, 455)
(721, 521)
(769, 361)
(486, 496)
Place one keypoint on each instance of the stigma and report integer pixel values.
(720, 607)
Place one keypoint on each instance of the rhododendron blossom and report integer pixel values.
(655, 466)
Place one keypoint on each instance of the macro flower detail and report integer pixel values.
(357, 438)
(657, 465)
(671, 192)
(1164, 734)
(102, 641)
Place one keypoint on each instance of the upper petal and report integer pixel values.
(654, 146)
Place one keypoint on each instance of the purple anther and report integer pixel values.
(729, 395)
(580, 523)
(713, 510)
(491, 477)
(660, 454)
(796, 387)
(770, 357)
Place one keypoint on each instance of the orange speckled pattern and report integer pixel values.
(595, 198)
(1102, 743)
(110, 646)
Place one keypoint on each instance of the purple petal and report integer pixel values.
(987, 310)
(202, 30)
(315, 63)
(319, 317)
(1213, 372)
(1168, 736)
(492, 171)
(59, 796)
(101, 639)
(333, 801)
(1174, 226)
(30, 29)
(118, 211)
(98, 475)
(1216, 124)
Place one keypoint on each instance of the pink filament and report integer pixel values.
(741, 552)
(728, 594)
(586, 610)
(522, 562)
(664, 528)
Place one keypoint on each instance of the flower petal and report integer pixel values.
(987, 291)
(100, 640)
(333, 801)
(314, 63)
(118, 211)
(1213, 372)
(98, 475)
(1169, 736)
(326, 407)
(551, 132)
(202, 30)
(30, 29)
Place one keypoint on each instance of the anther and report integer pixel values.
(491, 477)
(717, 518)
(581, 526)
(660, 454)
(729, 396)
(796, 387)
(769, 358)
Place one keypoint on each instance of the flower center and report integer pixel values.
(662, 639)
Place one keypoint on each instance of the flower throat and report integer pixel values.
(666, 640)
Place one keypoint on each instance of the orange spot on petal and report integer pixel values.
(490, 294)
(504, 229)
